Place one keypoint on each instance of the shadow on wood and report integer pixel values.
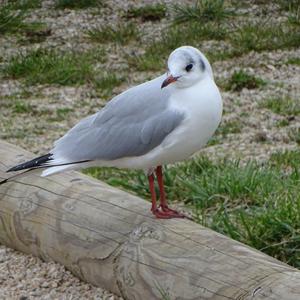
(108, 238)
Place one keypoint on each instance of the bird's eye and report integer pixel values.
(189, 67)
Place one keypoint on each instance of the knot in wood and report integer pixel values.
(26, 206)
(143, 231)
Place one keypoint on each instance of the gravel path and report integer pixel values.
(25, 277)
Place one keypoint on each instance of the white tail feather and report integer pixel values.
(58, 169)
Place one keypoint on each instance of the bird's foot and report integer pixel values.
(164, 212)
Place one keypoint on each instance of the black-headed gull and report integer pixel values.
(161, 121)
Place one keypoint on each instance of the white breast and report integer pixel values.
(202, 106)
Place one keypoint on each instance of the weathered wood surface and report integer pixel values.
(108, 238)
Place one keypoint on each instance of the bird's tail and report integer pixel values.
(44, 162)
(36, 163)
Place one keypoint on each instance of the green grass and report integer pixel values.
(225, 128)
(241, 79)
(262, 36)
(21, 107)
(202, 11)
(12, 20)
(49, 67)
(149, 12)
(213, 20)
(294, 135)
(78, 4)
(193, 34)
(282, 106)
(105, 84)
(255, 204)
(286, 159)
(63, 112)
(229, 127)
(294, 61)
(121, 34)
(294, 16)
(25, 4)
(288, 5)
(282, 123)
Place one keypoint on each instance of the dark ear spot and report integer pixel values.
(189, 67)
(202, 65)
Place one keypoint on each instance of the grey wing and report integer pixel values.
(131, 124)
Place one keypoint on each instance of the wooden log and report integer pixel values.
(108, 237)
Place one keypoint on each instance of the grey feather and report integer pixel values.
(131, 124)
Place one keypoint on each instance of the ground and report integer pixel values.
(60, 62)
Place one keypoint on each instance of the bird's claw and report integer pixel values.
(164, 212)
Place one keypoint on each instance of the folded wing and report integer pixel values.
(131, 124)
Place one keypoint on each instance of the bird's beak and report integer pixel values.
(169, 80)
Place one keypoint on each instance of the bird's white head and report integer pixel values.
(186, 67)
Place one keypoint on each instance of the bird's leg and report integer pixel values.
(163, 202)
(152, 191)
(154, 208)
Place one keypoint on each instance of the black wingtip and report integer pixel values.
(13, 169)
(34, 163)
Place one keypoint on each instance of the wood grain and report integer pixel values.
(108, 237)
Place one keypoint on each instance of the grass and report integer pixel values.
(21, 107)
(226, 128)
(282, 106)
(202, 11)
(286, 159)
(294, 135)
(157, 51)
(229, 127)
(49, 67)
(294, 61)
(206, 21)
(294, 16)
(63, 112)
(78, 4)
(241, 79)
(25, 4)
(261, 36)
(12, 20)
(121, 34)
(105, 84)
(149, 12)
(213, 20)
(282, 123)
(255, 204)
(288, 5)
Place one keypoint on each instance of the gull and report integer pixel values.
(161, 121)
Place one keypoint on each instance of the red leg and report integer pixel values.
(162, 194)
(163, 202)
(152, 191)
(155, 210)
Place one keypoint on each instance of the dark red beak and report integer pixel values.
(169, 80)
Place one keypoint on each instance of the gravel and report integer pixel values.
(24, 277)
